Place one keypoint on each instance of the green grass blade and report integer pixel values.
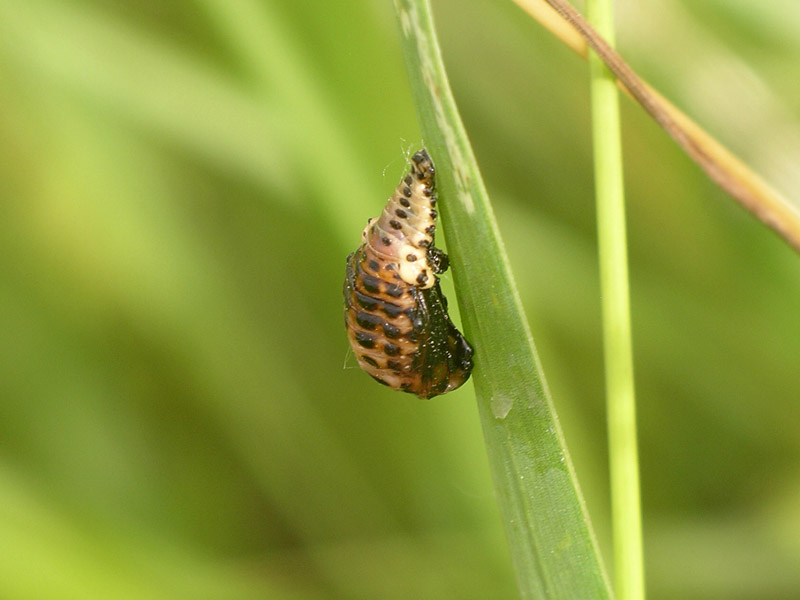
(552, 544)
(612, 242)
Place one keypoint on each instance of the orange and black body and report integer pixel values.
(395, 312)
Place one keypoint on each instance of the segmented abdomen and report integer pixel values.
(395, 313)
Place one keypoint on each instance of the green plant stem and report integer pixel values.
(620, 399)
(721, 166)
(550, 538)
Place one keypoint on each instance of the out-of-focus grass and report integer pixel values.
(179, 417)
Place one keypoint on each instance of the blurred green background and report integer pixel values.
(180, 184)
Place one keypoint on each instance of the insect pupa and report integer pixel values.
(394, 310)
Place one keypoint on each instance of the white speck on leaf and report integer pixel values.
(501, 406)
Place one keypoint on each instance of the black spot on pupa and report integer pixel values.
(401, 213)
(369, 360)
(368, 321)
(422, 278)
(366, 302)
(394, 290)
(405, 202)
(371, 284)
(391, 331)
(365, 340)
(386, 241)
(391, 310)
(411, 257)
(395, 224)
(390, 349)
(407, 192)
(373, 265)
